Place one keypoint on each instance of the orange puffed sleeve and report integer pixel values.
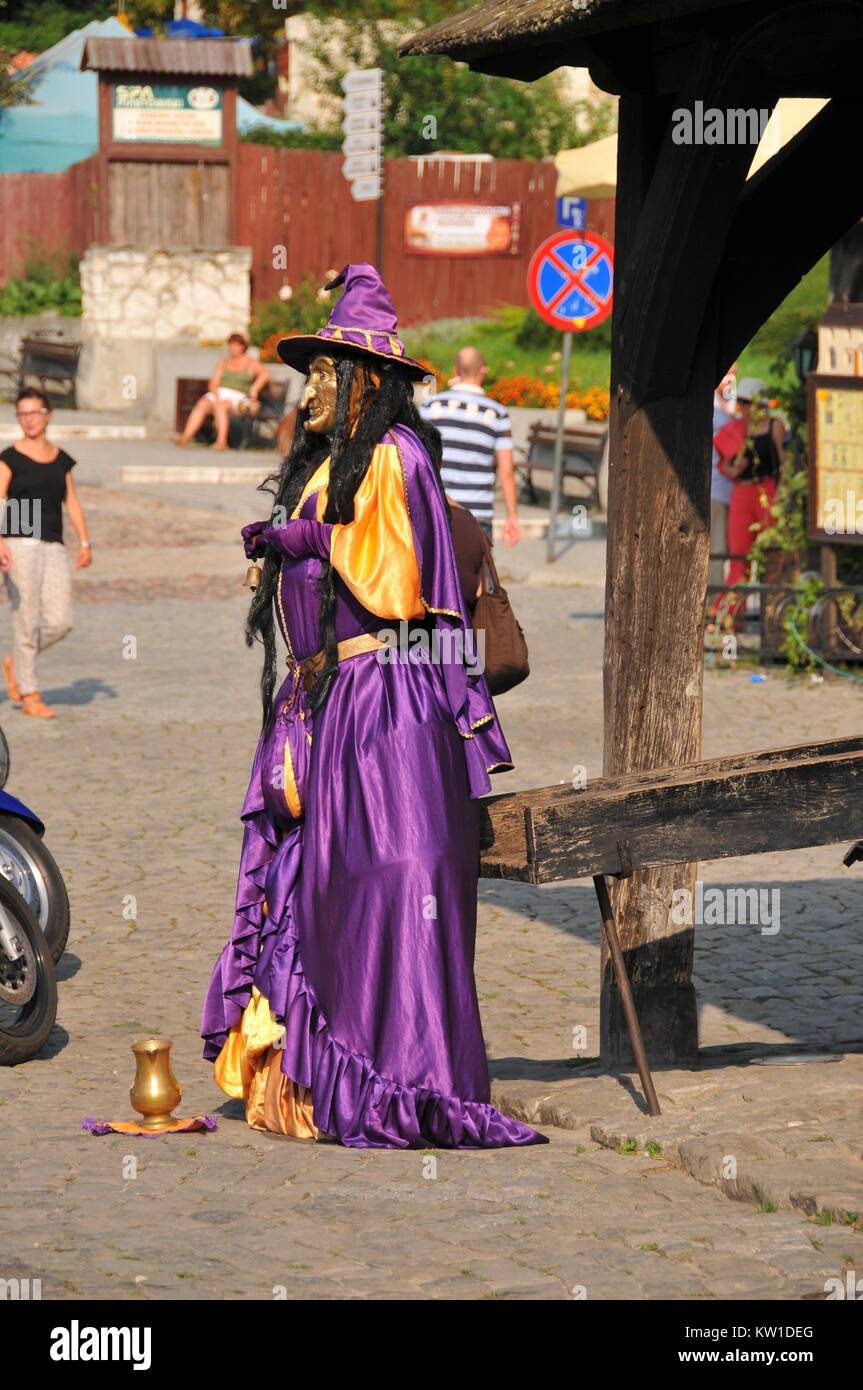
(374, 553)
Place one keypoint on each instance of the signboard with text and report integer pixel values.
(362, 146)
(462, 229)
(159, 113)
(571, 212)
(836, 459)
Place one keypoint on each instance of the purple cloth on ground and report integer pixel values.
(367, 953)
(206, 1123)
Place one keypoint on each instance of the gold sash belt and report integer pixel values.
(352, 646)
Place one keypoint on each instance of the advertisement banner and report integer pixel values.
(462, 229)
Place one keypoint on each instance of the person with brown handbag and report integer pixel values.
(504, 652)
(505, 649)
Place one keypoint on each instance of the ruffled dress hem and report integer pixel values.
(351, 1100)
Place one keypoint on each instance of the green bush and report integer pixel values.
(314, 139)
(304, 312)
(534, 332)
(49, 283)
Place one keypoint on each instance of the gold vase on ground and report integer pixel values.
(155, 1091)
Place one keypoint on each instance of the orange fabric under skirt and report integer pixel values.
(248, 1068)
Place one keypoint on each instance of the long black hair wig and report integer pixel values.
(372, 396)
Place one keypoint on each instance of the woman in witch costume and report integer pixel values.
(344, 1005)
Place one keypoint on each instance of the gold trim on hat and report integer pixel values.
(396, 344)
(335, 334)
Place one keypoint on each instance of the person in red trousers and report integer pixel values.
(751, 453)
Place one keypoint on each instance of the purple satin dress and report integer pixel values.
(367, 953)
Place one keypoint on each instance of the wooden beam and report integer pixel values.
(673, 217)
(502, 817)
(790, 799)
(805, 195)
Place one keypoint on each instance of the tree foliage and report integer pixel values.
(263, 21)
(434, 104)
(35, 25)
(15, 88)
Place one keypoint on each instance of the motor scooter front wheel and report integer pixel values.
(30, 867)
(28, 988)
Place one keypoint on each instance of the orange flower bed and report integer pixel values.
(545, 395)
(268, 351)
(441, 378)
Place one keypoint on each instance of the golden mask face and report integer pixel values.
(320, 395)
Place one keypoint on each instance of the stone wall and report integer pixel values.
(136, 299)
(135, 293)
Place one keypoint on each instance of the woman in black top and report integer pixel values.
(35, 481)
(756, 470)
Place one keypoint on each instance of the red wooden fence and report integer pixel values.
(297, 215)
(41, 213)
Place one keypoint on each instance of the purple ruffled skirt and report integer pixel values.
(366, 955)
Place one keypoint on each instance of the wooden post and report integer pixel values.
(829, 566)
(656, 577)
(699, 266)
(230, 145)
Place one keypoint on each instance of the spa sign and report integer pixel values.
(154, 113)
(462, 229)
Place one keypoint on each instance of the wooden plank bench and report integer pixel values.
(266, 423)
(584, 457)
(49, 360)
(750, 803)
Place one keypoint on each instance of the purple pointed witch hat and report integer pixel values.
(364, 320)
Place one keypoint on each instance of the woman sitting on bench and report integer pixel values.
(235, 388)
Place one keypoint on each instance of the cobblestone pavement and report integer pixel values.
(140, 782)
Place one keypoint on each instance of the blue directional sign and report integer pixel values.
(572, 212)
(570, 280)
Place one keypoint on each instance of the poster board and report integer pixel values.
(452, 228)
(167, 113)
(835, 413)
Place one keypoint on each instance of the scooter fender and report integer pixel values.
(11, 806)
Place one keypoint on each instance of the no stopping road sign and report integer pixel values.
(570, 280)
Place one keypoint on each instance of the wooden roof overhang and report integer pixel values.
(174, 57)
(702, 231)
(647, 45)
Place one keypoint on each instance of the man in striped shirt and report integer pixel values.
(477, 442)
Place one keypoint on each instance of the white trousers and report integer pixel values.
(40, 592)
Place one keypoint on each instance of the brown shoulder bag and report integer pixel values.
(505, 650)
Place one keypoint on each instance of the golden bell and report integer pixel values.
(155, 1091)
(253, 576)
